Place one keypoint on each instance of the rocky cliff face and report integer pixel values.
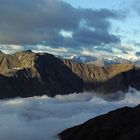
(27, 74)
(90, 72)
(121, 124)
(106, 79)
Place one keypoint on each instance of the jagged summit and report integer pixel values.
(1, 52)
(30, 74)
(26, 51)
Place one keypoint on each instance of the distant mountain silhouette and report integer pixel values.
(1, 52)
(102, 60)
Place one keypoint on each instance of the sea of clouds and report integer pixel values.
(42, 118)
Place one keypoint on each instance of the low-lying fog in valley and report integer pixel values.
(42, 118)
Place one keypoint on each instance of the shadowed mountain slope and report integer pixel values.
(28, 74)
(121, 124)
(107, 79)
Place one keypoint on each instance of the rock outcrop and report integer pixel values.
(107, 79)
(25, 74)
(121, 124)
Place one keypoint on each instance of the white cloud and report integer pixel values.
(48, 49)
(10, 48)
(36, 48)
(42, 118)
(67, 34)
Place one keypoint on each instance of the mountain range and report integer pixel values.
(104, 60)
(25, 74)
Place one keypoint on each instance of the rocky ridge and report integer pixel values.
(107, 79)
(121, 124)
(26, 74)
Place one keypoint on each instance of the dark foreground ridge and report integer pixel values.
(25, 74)
(121, 124)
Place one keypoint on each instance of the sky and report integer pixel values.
(71, 27)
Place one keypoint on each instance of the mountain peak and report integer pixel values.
(25, 51)
(28, 51)
(33, 74)
(50, 75)
(1, 52)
